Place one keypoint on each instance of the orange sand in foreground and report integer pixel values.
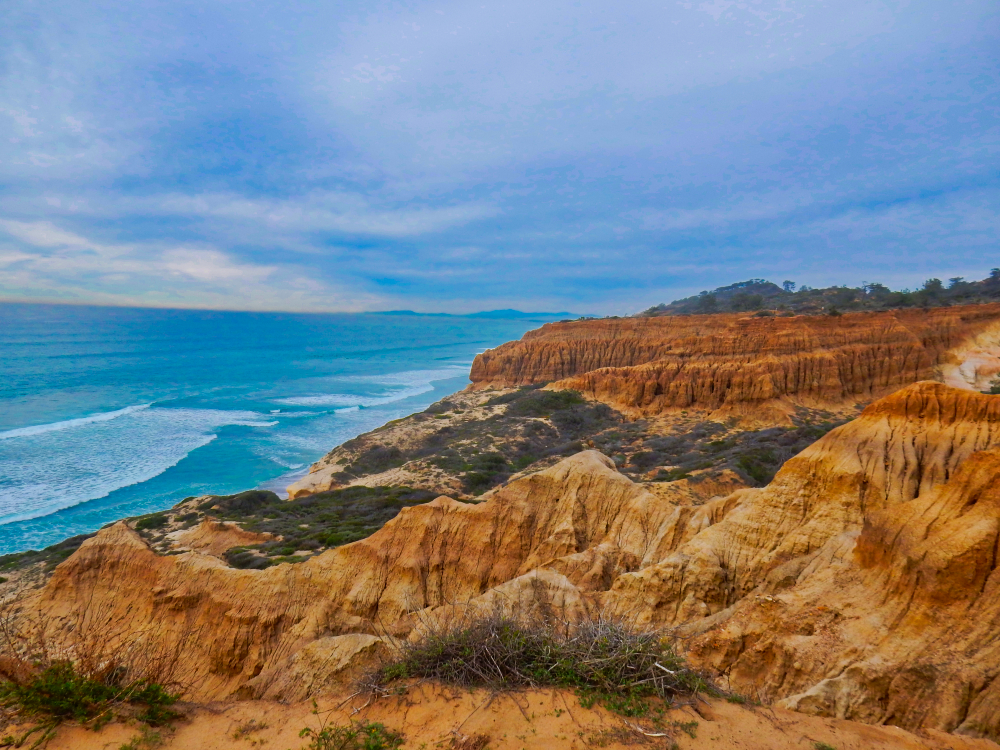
(431, 717)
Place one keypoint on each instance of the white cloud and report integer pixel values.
(49, 263)
(753, 208)
(42, 234)
(213, 267)
(335, 212)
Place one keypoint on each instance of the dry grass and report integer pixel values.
(631, 671)
(95, 669)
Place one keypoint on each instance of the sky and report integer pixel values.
(595, 157)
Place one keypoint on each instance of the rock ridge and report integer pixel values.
(736, 364)
(861, 583)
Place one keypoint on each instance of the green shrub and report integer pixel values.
(538, 403)
(360, 735)
(147, 739)
(325, 519)
(759, 464)
(155, 521)
(60, 692)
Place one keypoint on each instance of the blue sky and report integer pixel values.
(441, 156)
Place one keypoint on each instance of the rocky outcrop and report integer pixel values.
(861, 583)
(581, 521)
(214, 537)
(741, 365)
(894, 619)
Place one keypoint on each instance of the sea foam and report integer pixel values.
(395, 387)
(90, 457)
(71, 423)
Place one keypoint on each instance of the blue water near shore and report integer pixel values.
(113, 412)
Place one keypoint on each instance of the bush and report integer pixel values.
(360, 735)
(155, 521)
(94, 672)
(242, 503)
(61, 692)
(543, 403)
(759, 464)
(377, 459)
(604, 660)
(325, 519)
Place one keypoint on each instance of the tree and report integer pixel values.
(994, 276)
(955, 281)
(742, 302)
(707, 303)
(788, 286)
(933, 287)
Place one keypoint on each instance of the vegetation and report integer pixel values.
(153, 521)
(632, 672)
(50, 556)
(147, 739)
(711, 447)
(315, 522)
(484, 453)
(96, 674)
(359, 735)
(61, 691)
(768, 297)
(994, 388)
(539, 427)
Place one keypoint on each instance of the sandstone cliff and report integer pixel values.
(861, 583)
(740, 364)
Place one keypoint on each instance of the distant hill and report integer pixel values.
(519, 314)
(488, 314)
(767, 298)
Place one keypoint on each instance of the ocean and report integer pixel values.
(107, 413)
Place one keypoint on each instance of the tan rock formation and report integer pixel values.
(215, 537)
(861, 583)
(744, 365)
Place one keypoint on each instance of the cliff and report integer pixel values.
(860, 583)
(740, 364)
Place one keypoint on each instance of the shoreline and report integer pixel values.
(277, 484)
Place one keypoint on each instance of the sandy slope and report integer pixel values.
(430, 717)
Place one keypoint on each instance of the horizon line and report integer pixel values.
(135, 306)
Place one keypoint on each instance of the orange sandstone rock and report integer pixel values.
(861, 583)
(741, 364)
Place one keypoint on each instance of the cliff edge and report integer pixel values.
(861, 583)
(744, 365)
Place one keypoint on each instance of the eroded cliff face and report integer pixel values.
(861, 583)
(743, 365)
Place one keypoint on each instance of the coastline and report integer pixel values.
(221, 410)
(51, 529)
(539, 493)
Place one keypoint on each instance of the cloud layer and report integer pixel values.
(447, 156)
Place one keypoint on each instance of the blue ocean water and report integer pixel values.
(114, 412)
